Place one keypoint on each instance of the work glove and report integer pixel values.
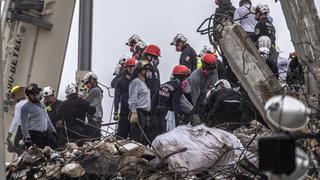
(26, 142)
(116, 116)
(133, 118)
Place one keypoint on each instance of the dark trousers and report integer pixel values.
(137, 129)
(94, 131)
(157, 122)
(42, 139)
(124, 124)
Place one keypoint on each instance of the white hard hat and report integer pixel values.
(133, 38)
(206, 49)
(264, 41)
(224, 82)
(179, 37)
(287, 113)
(263, 8)
(123, 59)
(88, 76)
(47, 91)
(140, 45)
(264, 53)
(71, 89)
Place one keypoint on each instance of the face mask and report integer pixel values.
(149, 74)
(89, 86)
(205, 72)
(37, 97)
(132, 49)
(185, 86)
(178, 48)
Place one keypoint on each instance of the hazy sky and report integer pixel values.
(155, 21)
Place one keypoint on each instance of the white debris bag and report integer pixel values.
(205, 148)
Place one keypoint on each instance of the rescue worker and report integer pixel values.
(245, 17)
(53, 104)
(138, 50)
(119, 70)
(132, 41)
(19, 98)
(188, 55)
(224, 106)
(295, 76)
(151, 55)
(95, 99)
(224, 10)
(121, 96)
(202, 80)
(220, 66)
(168, 100)
(36, 125)
(73, 114)
(265, 28)
(139, 102)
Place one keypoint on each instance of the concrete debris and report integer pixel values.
(73, 170)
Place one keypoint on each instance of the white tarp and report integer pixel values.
(206, 147)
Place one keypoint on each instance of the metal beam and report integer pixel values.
(85, 35)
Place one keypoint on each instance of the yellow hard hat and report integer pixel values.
(15, 89)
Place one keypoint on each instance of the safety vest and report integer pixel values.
(199, 63)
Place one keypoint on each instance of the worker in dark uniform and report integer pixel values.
(73, 114)
(53, 104)
(295, 77)
(265, 28)
(121, 96)
(188, 55)
(36, 125)
(168, 100)
(224, 106)
(119, 70)
(151, 55)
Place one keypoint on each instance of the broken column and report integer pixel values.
(254, 74)
(304, 25)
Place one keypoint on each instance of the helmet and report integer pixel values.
(224, 82)
(32, 88)
(264, 53)
(287, 113)
(206, 49)
(264, 41)
(178, 37)
(123, 59)
(15, 89)
(209, 58)
(131, 62)
(71, 89)
(140, 45)
(153, 50)
(242, 2)
(264, 9)
(90, 75)
(47, 91)
(181, 70)
(133, 39)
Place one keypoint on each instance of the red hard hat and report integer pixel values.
(153, 50)
(131, 62)
(181, 70)
(209, 58)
